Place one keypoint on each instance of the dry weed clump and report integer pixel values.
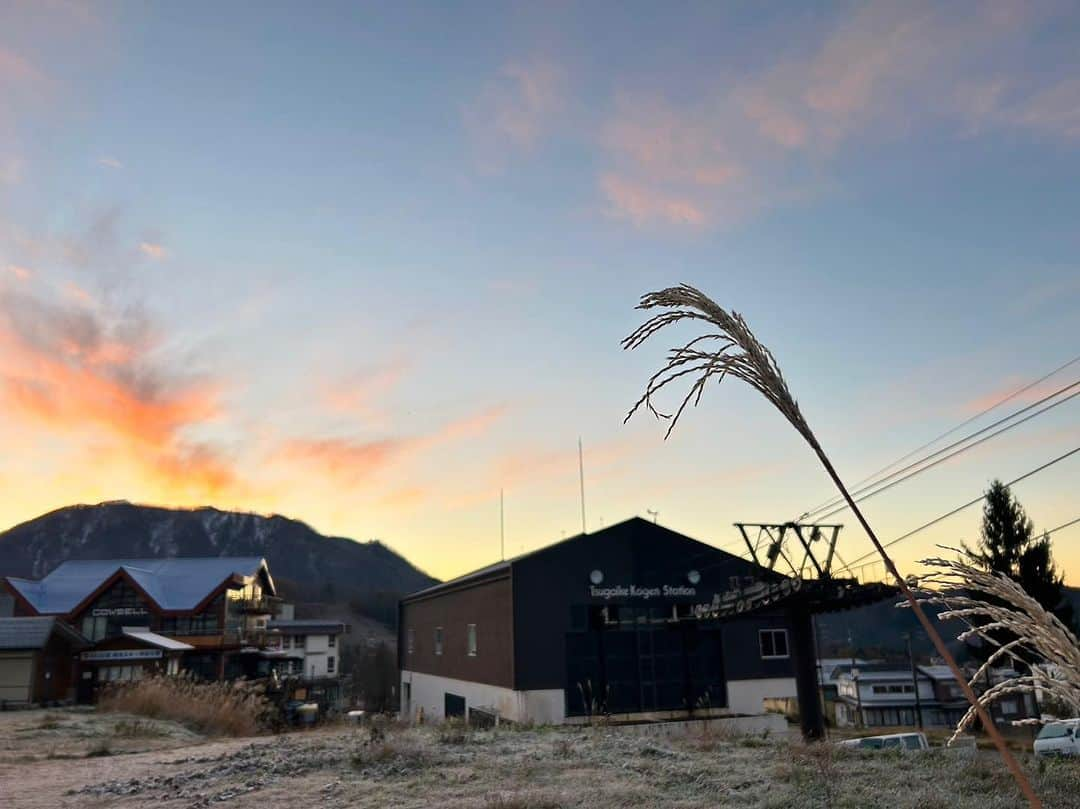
(990, 603)
(520, 801)
(390, 757)
(136, 729)
(220, 709)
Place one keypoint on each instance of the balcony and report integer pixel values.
(262, 605)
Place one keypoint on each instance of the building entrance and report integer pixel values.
(628, 660)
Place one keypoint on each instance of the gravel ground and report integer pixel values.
(71, 733)
(526, 769)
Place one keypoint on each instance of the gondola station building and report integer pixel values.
(600, 623)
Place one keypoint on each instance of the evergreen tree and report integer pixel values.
(1007, 544)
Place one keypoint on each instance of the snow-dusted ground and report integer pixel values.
(598, 768)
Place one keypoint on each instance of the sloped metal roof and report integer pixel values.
(34, 633)
(173, 584)
(146, 636)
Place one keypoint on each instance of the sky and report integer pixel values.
(368, 265)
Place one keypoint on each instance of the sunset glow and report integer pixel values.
(368, 267)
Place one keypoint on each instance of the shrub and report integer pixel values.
(220, 709)
(385, 759)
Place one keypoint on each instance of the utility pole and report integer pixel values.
(914, 681)
(855, 680)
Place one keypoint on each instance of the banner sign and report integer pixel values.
(110, 612)
(121, 654)
(637, 591)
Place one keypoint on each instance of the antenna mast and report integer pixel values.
(581, 478)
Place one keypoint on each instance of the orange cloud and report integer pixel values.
(360, 396)
(77, 292)
(641, 204)
(343, 458)
(470, 426)
(352, 460)
(155, 251)
(73, 371)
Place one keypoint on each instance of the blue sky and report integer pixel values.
(367, 266)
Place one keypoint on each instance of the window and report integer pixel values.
(906, 688)
(330, 661)
(331, 641)
(410, 641)
(471, 640)
(93, 627)
(286, 641)
(301, 641)
(438, 640)
(773, 643)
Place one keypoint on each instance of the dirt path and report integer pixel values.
(47, 782)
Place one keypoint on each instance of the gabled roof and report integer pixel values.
(172, 584)
(609, 533)
(34, 633)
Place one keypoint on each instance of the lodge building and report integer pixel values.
(206, 616)
(598, 623)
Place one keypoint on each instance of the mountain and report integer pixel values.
(307, 566)
(877, 631)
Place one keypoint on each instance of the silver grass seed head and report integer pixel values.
(730, 350)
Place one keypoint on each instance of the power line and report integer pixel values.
(970, 503)
(832, 501)
(954, 444)
(951, 455)
(1064, 525)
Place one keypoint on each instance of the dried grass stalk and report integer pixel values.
(990, 603)
(733, 350)
(236, 708)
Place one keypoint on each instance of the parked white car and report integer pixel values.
(890, 741)
(1059, 739)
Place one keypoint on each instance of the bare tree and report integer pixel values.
(729, 348)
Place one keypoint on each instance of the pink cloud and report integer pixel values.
(980, 403)
(516, 109)
(751, 141)
(1054, 110)
(110, 163)
(642, 205)
(20, 273)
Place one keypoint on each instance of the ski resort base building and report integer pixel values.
(204, 616)
(598, 624)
